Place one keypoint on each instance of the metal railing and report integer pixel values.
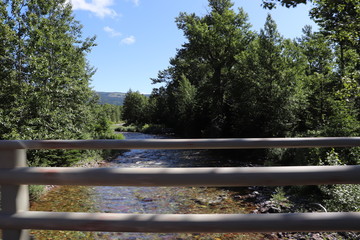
(15, 216)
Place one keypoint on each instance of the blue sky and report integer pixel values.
(136, 38)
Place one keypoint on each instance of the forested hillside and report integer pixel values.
(227, 80)
(115, 98)
(45, 77)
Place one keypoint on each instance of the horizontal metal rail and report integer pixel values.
(233, 143)
(246, 176)
(14, 178)
(161, 223)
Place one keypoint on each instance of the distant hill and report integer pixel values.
(116, 98)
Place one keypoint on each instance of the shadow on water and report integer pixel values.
(163, 200)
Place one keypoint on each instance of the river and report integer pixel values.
(161, 200)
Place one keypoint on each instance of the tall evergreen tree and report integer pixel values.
(12, 69)
(135, 108)
(267, 91)
(207, 60)
(320, 84)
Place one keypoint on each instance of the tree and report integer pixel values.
(112, 112)
(12, 105)
(207, 61)
(59, 74)
(340, 21)
(216, 39)
(340, 31)
(270, 4)
(320, 84)
(185, 106)
(45, 76)
(267, 92)
(135, 108)
(47, 62)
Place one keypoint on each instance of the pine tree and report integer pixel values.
(206, 60)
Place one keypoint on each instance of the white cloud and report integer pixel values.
(136, 2)
(112, 32)
(129, 40)
(100, 8)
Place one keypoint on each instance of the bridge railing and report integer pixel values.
(15, 217)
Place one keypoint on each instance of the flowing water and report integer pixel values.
(161, 200)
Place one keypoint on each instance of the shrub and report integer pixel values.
(342, 197)
(280, 199)
(36, 191)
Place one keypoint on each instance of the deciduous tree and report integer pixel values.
(45, 92)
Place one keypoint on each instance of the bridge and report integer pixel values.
(15, 176)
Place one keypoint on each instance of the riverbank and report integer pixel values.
(269, 200)
(257, 200)
(37, 191)
(92, 158)
(156, 129)
(66, 199)
(144, 199)
(194, 200)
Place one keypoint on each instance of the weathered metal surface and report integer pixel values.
(113, 222)
(13, 172)
(232, 143)
(14, 197)
(246, 176)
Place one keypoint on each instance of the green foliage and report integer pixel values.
(270, 4)
(118, 136)
(54, 158)
(135, 109)
(36, 191)
(339, 20)
(184, 98)
(196, 98)
(45, 77)
(156, 129)
(279, 198)
(146, 128)
(112, 112)
(264, 96)
(227, 81)
(128, 128)
(111, 153)
(343, 197)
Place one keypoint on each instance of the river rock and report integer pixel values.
(206, 201)
(147, 200)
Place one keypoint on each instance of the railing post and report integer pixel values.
(14, 198)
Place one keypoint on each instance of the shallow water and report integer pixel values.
(160, 200)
